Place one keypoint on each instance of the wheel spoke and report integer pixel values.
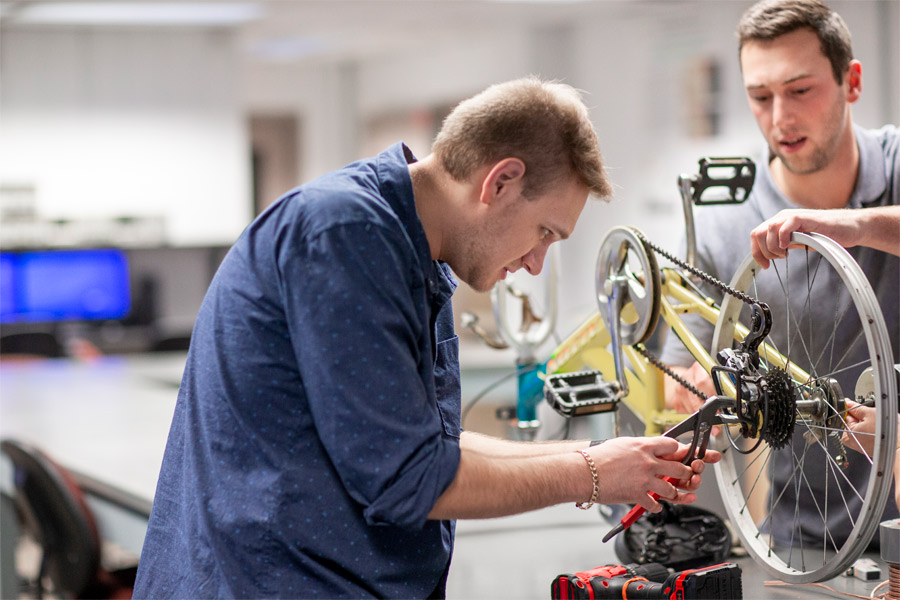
(794, 325)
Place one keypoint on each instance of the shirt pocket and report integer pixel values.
(446, 385)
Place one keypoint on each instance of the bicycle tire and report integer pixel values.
(810, 556)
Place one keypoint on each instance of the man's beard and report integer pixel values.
(822, 154)
(805, 166)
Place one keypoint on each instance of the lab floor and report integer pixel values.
(518, 557)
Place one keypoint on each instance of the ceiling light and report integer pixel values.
(134, 13)
(283, 49)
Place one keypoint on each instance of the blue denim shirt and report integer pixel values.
(318, 419)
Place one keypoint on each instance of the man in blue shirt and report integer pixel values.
(316, 448)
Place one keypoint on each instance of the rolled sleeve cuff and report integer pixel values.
(410, 497)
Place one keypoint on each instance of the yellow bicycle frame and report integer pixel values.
(590, 347)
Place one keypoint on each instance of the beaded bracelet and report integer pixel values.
(596, 480)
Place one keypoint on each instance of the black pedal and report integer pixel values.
(580, 393)
(729, 179)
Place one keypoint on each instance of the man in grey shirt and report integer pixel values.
(817, 172)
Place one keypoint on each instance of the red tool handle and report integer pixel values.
(634, 514)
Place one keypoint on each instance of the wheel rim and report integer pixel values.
(790, 548)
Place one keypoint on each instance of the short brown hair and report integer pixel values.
(544, 124)
(769, 19)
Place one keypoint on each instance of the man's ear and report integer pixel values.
(502, 179)
(854, 81)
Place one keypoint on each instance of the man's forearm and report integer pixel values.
(502, 477)
(499, 448)
(883, 229)
(489, 483)
(491, 486)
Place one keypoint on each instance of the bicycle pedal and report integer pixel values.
(580, 393)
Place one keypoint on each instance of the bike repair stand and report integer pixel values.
(531, 334)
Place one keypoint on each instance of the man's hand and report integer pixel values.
(860, 436)
(631, 467)
(678, 398)
(860, 432)
(877, 228)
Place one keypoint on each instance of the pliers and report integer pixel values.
(701, 423)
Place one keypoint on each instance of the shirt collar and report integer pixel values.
(395, 184)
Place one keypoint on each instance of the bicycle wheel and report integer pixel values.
(807, 509)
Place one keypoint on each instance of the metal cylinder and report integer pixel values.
(890, 553)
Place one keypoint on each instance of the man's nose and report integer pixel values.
(534, 260)
(782, 115)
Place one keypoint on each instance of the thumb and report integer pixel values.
(855, 414)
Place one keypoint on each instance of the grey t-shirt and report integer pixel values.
(723, 242)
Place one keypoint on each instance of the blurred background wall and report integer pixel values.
(155, 125)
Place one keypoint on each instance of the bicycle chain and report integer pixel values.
(656, 362)
(779, 430)
(743, 297)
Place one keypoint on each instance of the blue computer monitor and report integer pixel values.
(45, 286)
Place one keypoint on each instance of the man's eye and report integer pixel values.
(759, 98)
(801, 91)
(545, 233)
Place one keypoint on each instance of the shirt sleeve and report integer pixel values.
(357, 312)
